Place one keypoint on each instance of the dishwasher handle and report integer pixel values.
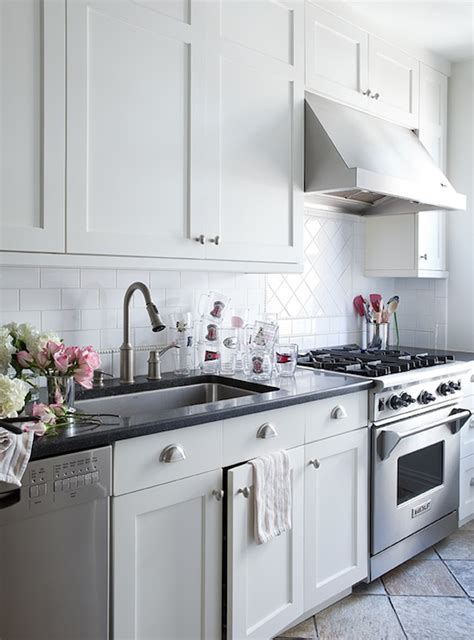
(9, 498)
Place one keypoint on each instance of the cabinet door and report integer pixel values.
(466, 489)
(432, 133)
(167, 546)
(431, 240)
(255, 109)
(336, 57)
(394, 78)
(264, 582)
(336, 492)
(135, 123)
(32, 120)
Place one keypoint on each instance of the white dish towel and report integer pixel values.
(272, 489)
(15, 451)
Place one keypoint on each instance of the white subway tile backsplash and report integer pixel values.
(40, 299)
(98, 279)
(164, 280)
(194, 280)
(61, 320)
(29, 317)
(81, 338)
(111, 298)
(99, 318)
(80, 298)
(110, 338)
(60, 278)
(19, 277)
(9, 300)
(125, 277)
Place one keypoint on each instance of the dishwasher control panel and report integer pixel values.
(58, 482)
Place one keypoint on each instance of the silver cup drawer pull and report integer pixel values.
(173, 453)
(267, 430)
(339, 413)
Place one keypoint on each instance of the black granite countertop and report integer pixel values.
(307, 385)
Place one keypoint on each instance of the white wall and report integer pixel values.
(461, 224)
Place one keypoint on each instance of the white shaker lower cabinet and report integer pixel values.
(466, 489)
(167, 561)
(265, 582)
(336, 521)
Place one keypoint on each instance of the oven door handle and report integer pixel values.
(387, 440)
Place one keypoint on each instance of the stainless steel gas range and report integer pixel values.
(415, 414)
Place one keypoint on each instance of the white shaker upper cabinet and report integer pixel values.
(394, 83)
(32, 117)
(255, 132)
(264, 582)
(135, 74)
(336, 57)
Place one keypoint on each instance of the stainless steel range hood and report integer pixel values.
(363, 164)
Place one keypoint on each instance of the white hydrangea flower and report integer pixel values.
(12, 396)
(33, 339)
(6, 349)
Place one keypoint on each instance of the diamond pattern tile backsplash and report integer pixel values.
(315, 308)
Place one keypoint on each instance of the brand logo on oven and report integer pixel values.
(421, 508)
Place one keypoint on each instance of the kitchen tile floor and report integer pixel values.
(429, 597)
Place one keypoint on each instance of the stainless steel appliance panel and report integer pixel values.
(54, 550)
(415, 475)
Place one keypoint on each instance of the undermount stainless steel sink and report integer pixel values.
(157, 400)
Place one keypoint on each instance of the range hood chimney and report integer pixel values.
(360, 163)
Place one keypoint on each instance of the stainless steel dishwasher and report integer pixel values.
(54, 549)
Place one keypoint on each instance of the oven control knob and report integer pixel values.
(426, 397)
(454, 386)
(407, 399)
(395, 402)
(445, 388)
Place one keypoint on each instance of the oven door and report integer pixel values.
(415, 473)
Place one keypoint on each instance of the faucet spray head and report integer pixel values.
(157, 323)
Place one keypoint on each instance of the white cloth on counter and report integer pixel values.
(272, 490)
(15, 451)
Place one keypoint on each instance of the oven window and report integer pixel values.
(420, 471)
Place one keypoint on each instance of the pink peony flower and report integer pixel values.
(44, 413)
(38, 428)
(90, 357)
(61, 360)
(42, 358)
(24, 359)
(84, 375)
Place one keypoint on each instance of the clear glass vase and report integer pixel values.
(61, 390)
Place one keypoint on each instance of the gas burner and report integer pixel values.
(370, 363)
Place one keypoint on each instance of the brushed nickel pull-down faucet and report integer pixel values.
(126, 350)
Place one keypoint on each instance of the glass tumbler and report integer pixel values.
(259, 363)
(285, 359)
(229, 343)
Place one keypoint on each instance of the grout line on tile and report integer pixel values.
(455, 578)
(398, 617)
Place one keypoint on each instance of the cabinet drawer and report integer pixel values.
(138, 462)
(466, 488)
(251, 436)
(332, 416)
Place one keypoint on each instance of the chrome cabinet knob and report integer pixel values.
(173, 453)
(316, 464)
(339, 413)
(424, 256)
(267, 430)
(201, 239)
(215, 240)
(218, 494)
(375, 96)
(367, 92)
(472, 482)
(245, 492)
